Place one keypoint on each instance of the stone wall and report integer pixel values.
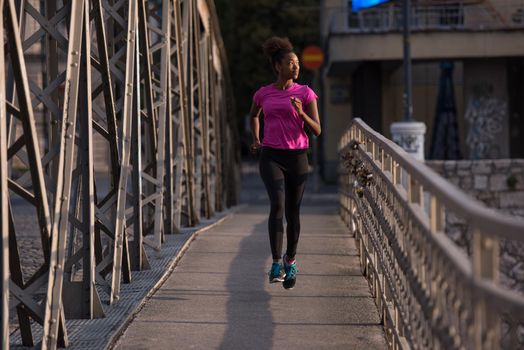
(498, 183)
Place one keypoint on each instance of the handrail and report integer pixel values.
(499, 224)
(430, 293)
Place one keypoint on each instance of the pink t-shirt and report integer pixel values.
(283, 127)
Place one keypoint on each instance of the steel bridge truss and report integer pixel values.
(148, 80)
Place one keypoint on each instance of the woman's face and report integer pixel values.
(288, 67)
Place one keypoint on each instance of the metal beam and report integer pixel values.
(187, 51)
(4, 227)
(180, 162)
(160, 28)
(105, 116)
(81, 298)
(35, 168)
(127, 115)
(196, 107)
(54, 306)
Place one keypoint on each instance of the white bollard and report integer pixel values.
(410, 136)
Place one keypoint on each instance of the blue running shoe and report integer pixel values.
(276, 274)
(291, 274)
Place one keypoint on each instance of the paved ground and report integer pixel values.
(218, 296)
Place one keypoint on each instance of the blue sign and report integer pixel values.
(362, 4)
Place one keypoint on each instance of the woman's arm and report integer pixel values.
(311, 118)
(254, 113)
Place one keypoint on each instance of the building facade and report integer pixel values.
(471, 49)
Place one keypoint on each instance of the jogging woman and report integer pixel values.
(289, 108)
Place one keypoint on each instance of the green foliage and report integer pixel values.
(246, 24)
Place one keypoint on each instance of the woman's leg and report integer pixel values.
(295, 183)
(273, 178)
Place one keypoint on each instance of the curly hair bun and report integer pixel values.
(275, 46)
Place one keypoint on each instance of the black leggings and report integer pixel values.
(284, 173)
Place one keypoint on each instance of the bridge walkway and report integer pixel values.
(218, 296)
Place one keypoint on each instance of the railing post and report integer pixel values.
(345, 208)
(485, 267)
(437, 215)
(347, 214)
(415, 192)
(385, 161)
(396, 173)
(353, 222)
(362, 244)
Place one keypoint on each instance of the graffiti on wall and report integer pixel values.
(485, 115)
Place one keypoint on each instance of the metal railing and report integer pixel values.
(429, 292)
(149, 80)
(485, 15)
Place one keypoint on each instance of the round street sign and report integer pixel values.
(312, 57)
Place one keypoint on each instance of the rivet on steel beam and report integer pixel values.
(74, 64)
(69, 136)
(74, 52)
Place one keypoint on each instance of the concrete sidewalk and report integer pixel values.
(218, 297)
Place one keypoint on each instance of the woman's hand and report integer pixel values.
(310, 118)
(297, 104)
(255, 146)
(255, 127)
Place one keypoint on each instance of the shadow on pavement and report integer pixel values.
(249, 321)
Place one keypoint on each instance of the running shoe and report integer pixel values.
(291, 274)
(276, 274)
